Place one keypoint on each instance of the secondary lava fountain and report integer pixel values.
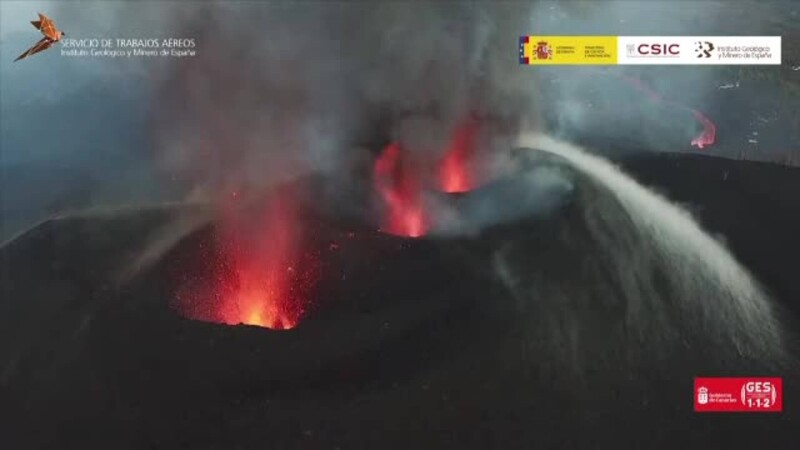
(401, 181)
(455, 171)
(261, 277)
(709, 134)
(398, 183)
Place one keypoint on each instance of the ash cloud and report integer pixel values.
(642, 262)
(281, 90)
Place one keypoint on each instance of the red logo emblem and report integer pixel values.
(729, 394)
(543, 50)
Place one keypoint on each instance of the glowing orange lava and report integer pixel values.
(260, 277)
(455, 174)
(268, 288)
(260, 295)
(398, 185)
(709, 134)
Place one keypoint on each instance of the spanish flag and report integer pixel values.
(576, 50)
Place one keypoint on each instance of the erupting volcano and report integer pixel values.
(400, 181)
(262, 278)
(455, 171)
(400, 188)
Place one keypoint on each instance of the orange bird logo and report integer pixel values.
(50, 32)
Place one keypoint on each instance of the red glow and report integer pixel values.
(709, 134)
(261, 279)
(455, 174)
(401, 191)
(264, 275)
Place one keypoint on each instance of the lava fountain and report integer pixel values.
(262, 278)
(398, 183)
(455, 171)
(706, 137)
(264, 270)
(709, 134)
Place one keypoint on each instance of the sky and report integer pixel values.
(80, 132)
(72, 131)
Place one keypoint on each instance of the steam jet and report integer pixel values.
(50, 32)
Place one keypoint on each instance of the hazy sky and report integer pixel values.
(78, 131)
(16, 14)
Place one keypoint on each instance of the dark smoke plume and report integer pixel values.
(281, 90)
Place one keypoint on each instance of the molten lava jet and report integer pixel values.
(400, 181)
(709, 134)
(270, 276)
(398, 184)
(455, 170)
(261, 277)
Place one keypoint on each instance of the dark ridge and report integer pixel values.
(419, 347)
(749, 205)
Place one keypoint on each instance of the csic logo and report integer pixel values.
(650, 50)
(703, 49)
(543, 50)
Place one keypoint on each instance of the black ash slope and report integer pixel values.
(422, 346)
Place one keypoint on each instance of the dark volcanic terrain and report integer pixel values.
(408, 344)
